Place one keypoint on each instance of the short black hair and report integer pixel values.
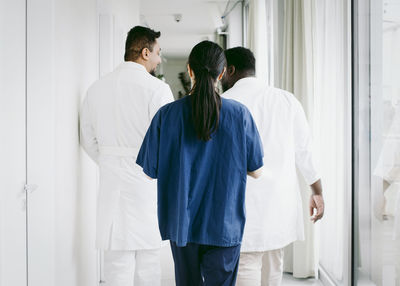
(139, 38)
(242, 59)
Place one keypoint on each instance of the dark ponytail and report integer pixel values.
(207, 61)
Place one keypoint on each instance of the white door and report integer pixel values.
(13, 254)
(40, 144)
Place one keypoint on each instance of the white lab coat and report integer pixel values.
(114, 119)
(274, 216)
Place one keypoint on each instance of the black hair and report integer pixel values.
(139, 38)
(242, 59)
(207, 61)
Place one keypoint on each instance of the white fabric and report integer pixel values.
(297, 76)
(332, 102)
(298, 52)
(252, 263)
(257, 36)
(315, 67)
(114, 118)
(274, 214)
(132, 268)
(301, 257)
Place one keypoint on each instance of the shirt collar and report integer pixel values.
(245, 80)
(132, 65)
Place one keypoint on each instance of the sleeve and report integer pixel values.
(254, 146)
(161, 96)
(303, 146)
(149, 151)
(87, 136)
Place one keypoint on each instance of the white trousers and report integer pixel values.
(260, 268)
(132, 268)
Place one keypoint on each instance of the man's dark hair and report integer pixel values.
(242, 59)
(139, 38)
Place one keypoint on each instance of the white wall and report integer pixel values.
(12, 143)
(40, 146)
(76, 67)
(62, 62)
(234, 21)
(72, 196)
(171, 69)
(124, 15)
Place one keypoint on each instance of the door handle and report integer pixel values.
(30, 188)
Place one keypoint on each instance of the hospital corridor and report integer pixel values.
(290, 112)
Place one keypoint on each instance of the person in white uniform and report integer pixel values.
(114, 118)
(273, 203)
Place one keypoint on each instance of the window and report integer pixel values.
(376, 251)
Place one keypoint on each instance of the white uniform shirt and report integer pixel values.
(114, 119)
(274, 216)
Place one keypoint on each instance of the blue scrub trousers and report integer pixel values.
(205, 265)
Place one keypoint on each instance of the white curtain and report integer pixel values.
(299, 51)
(310, 43)
(257, 36)
(281, 35)
(298, 63)
(315, 67)
(332, 127)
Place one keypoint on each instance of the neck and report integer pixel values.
(244, 75)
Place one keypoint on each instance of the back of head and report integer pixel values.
(242, 59)
(139, 38)
(207, 61)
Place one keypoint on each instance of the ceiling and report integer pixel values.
(200, 19)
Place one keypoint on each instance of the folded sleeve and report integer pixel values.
(87, 132)
(149, 151)
(254, 146)
(304, 157)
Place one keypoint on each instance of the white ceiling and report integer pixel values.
(200, 19)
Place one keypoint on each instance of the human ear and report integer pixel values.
(231, 70)
(190, 71)
(145, 53)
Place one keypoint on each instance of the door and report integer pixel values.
(13, 254)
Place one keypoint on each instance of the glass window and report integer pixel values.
(377, 143)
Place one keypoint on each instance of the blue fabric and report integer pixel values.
(205, 265)
(201, 185)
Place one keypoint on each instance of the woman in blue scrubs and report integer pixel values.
(201, 148)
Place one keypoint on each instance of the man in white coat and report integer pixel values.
(114, 119)
(273, 202)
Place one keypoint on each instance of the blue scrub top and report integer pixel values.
(201, 185)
